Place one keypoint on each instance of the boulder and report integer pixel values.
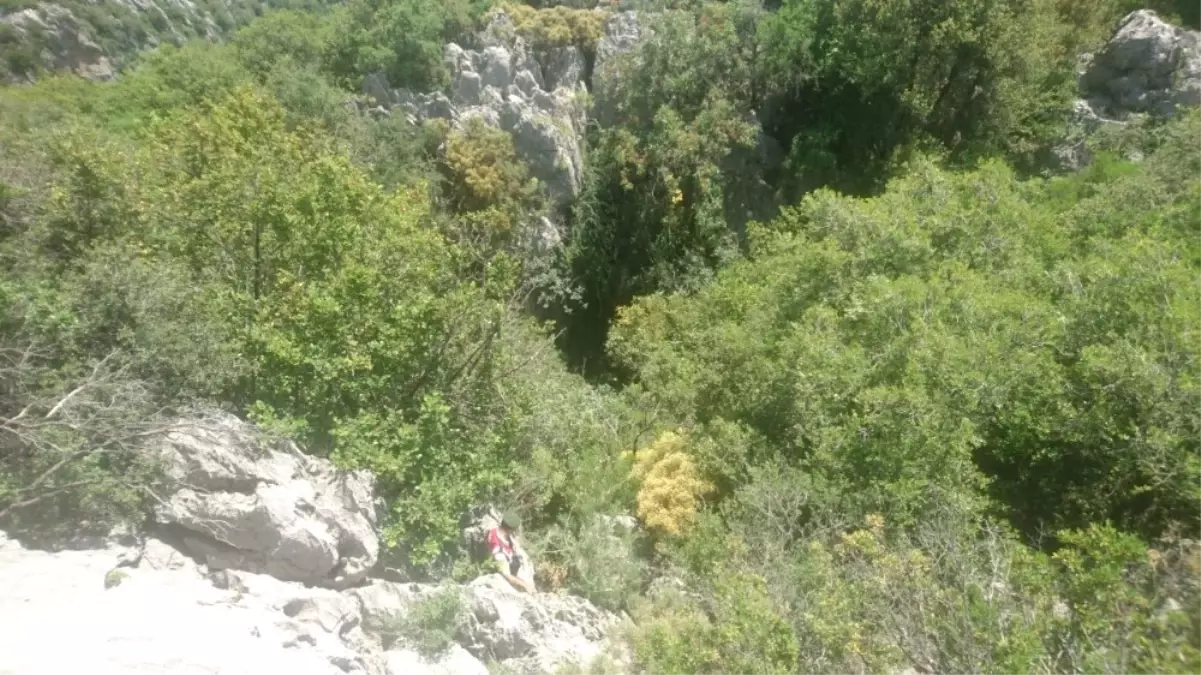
(157, 554)
(526, 633)
(241, 503)
(1149, 66)
(381, 601)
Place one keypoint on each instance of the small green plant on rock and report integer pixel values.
(430, 625)
(114, 578)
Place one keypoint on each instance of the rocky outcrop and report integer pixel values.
(535, 634)
(1149, 68)
(240, 503)
(245, 573)
(621, 34)
(69, 45)
(536, 97)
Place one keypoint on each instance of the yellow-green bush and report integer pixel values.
(738, 630)
(670, 485)
(487, 185)
(558, 26)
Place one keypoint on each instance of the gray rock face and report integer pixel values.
(1149, 66)
(242, 504)
(533, 633)
(168, 620)
(504, 84)
(622, 32)
(71, 46)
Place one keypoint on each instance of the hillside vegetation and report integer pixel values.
(904, 399)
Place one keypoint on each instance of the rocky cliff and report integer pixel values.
(260, 561)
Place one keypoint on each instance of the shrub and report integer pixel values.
(1134, 609)
(483, 171)
(114, 578)
(595, 561)
(558, 26)
(430, 625)
(670, 485)
(400, 38)
(735, 630)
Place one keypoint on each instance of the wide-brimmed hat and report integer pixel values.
(511, 520)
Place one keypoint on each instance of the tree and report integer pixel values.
(854, 81)
(953, 330)
(654, 212)
(400, 38)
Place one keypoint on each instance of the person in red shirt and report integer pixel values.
(504, 549)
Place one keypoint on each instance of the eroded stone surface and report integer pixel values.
(245, 503)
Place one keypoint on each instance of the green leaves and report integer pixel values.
(944, 337)
(400, 38)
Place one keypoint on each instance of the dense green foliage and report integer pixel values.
(881, 392)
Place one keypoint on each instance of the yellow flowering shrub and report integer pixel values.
(670, 485)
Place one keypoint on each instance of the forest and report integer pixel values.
(907, 397)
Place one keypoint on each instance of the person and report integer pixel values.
(503, 546)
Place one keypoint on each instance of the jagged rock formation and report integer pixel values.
(537, 95)
(526, 633)
(70, 46)
(621, 34)
(1148, 68)
(164, 603)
